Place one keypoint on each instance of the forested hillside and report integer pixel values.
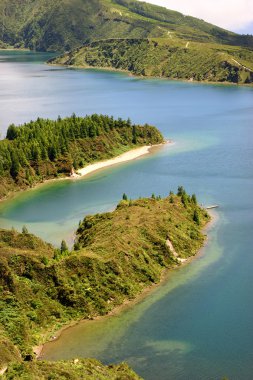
(44, 149)
(170, 58)
(62, 25)
(43, 288)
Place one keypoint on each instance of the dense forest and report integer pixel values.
(43, 288)
(44, 148)
(169, 58)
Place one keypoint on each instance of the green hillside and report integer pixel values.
(117, 255)
(85, 369)
(170, 58)
(45, 149)
(62, 25)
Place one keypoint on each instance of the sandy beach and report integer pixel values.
(127, 156)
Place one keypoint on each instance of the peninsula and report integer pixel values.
(171, 58)
(44, 288)
(45, 149)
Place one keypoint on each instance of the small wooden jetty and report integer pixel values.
(212, 206)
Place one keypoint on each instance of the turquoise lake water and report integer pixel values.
(197, 325)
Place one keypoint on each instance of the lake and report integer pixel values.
(197, 325)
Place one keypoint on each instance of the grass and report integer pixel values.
(76, 370)
(171, 58)
(117, 255)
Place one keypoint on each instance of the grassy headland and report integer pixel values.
(171, 58)
(45, 149)
(117, 255)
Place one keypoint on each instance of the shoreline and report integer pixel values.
(38, 350)
(130, 74)
(129, 155)
(14, 49)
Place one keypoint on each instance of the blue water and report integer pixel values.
(198, 325)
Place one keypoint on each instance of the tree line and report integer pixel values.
(49, 146)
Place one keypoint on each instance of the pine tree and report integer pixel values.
(64, 247)
(134, 135)
(194, 199)
(14, 170)
(25, 230)
(124, 197)
(180, 191)
(196, 218)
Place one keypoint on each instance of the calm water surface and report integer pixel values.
(199, 324)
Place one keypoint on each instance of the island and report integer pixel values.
(48, 149)
(116, 256)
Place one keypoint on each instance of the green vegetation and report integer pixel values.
(141, 38)
(43, 288)
(65, 370)
(45, 149)
(3, 45)
(63, 25)
(170, 58)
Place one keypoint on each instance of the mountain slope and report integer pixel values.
(170, 58)
(62, 25)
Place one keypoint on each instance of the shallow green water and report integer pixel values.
(199, 324)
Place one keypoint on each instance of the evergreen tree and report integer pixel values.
(124, 197)
(14, 170)
(12, 132)
(194, 199)
(47, 147)
(180, 191)
(25, 230)
(184, 199)
(196, 218)
(64, 247)
(134, 135)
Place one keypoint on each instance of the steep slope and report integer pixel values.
(170, 58)
(62, 25)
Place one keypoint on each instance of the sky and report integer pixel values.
(234, 15)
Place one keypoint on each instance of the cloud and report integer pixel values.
(229, 14)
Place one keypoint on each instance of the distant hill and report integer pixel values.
(62, 25)
(169, 57)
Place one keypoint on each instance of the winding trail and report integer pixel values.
(245, 67)
(3, 370)
(173, 251)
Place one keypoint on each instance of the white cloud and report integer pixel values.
(229, 14)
